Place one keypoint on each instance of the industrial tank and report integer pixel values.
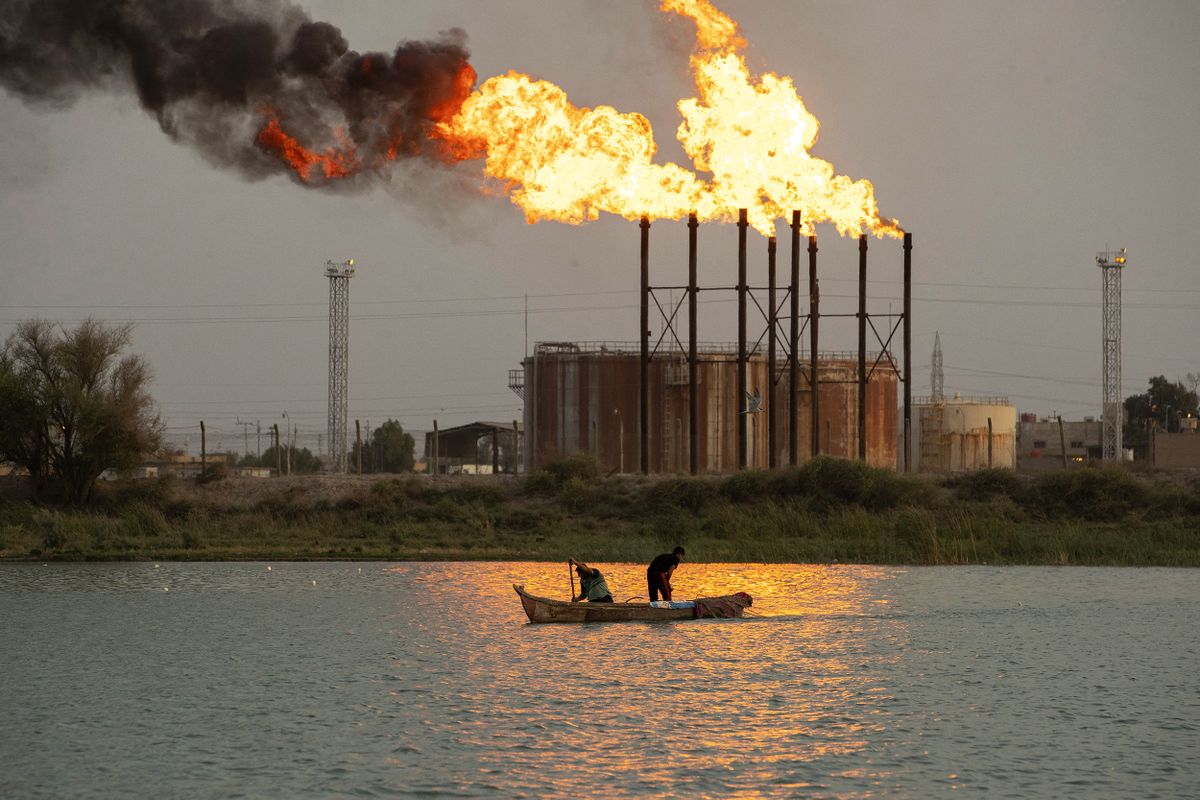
(583, 397)
(951, 434)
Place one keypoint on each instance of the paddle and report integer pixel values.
(571, 572)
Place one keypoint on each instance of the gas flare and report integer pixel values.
(749, 136)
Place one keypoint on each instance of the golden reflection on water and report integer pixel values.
(724, 706)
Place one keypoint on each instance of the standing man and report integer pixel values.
(658, 574)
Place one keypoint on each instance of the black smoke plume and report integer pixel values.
(216, 73)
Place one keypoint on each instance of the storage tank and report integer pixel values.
(951, 434)
(583, 396)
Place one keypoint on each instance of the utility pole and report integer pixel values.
(245, 435)
(358, 444)
(203, 449)
(287, 428)
(258, 439)
(278, 455)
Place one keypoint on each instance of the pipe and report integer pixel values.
(908, 352)
(741, 358)
(693, 400)
(771, 321)
(814, 317)
(793, 347)
(644, 393)
(862, 347)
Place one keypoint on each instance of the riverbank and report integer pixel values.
(826, 511)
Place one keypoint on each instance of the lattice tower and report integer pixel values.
(937, 380)
(1111, 265)
(339, 274)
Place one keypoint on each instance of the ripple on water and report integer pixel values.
(425, 680)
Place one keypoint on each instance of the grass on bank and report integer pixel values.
(827, 510)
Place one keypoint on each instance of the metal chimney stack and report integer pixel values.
(339, 274)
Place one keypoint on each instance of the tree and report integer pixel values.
(71, 406)
(389, 450)
(1160, 406)
(303, 461)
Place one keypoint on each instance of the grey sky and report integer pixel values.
(1014, 140)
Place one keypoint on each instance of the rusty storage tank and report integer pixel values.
(583, 397)
(950, 434)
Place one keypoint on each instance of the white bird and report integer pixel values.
(166, 589)
(753, 402)
(268, 568)
(314, 583)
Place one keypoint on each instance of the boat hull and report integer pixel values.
(543, 609)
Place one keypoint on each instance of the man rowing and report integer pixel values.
(592, 586)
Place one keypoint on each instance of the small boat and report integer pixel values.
(543, 609)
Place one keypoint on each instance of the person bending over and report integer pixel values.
(592, 587)
(658, 574)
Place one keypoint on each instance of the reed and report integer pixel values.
(825, 511)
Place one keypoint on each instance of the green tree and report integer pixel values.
(1159, 406)
(303, 461)
(389, 450)
(72, 406)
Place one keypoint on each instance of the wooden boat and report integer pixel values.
(543, 609)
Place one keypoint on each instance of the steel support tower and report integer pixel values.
(339, 274)
(1111, 265)
(937, 378)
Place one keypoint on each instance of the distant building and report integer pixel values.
(1177, 450)
(477, 448)
(251, 472)
(1041, 442)
(142, 472)
(181, 465)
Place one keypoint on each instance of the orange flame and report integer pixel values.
(751, 137)
(333, 163)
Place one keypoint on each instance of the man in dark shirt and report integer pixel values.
(658, 574)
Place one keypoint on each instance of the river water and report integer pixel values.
(409, 680)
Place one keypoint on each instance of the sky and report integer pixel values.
(1014, 140)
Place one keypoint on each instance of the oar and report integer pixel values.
(571, 572)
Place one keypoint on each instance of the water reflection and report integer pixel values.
(699, 707)
(326, 679)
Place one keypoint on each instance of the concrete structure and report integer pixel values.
(1177, 450)
(951, 434)
(583, 396)
(1040, 442)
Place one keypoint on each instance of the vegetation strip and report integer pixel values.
(826, 511)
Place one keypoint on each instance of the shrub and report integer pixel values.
(178, 509)
(832, 482)
(218, 471)
(750, 485)
(887, 490)
(476, 494)
(690, 494)
(144, 521)
(1099, 494)
(986, 484)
